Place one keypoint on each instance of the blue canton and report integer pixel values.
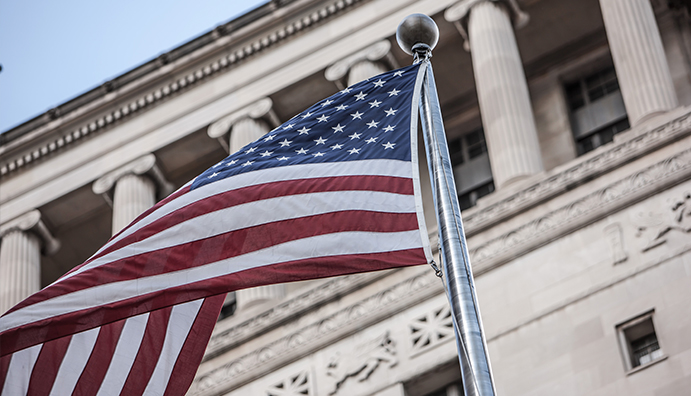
(368, 120)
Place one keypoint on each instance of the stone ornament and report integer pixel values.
(654, 228)
(145, 165)
(377, 52)
(361, 363)
(31, 222)
(613, 235)
(430, 330)
(295, 385)
(459, 12)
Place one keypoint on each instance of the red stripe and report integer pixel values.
(227, 245)
(149, 351)
(192, 351)
(319, 267)
(4, 366)
(102, 353)
(47, 365)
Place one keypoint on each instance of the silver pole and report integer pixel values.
(472, 348)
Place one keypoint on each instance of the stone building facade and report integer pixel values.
(569, 124)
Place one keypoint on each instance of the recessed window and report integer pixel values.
(597, 109)
(229, 306)
(471, 167)
(455, 389)
(639, 342)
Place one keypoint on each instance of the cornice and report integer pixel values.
(163, 91)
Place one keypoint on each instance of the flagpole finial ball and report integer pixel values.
(416, 29)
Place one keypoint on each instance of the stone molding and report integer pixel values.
(261, 109)
(31, 222)
(142, 166)
(377, 52)
(316, 335)
(162, 92)
(458, 15)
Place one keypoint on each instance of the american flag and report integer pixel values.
(333, 191)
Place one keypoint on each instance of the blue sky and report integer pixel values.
(52, 51)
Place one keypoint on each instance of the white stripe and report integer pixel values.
(123, 357)
(257, 213)
(343, 243)
(181, 319)
(19, 371)
(73, 363)
(394, 168)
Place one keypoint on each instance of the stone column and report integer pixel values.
(246, 126)
(502, 91)
(639, 58)
(132, 189)
(366, 63)
(20, 257)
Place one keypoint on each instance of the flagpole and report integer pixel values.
(417, 35)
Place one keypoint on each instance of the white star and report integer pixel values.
(319, 154)
(321, 141)
(231, 162)
(354, 136)
(304, 130)
(394, 92)
(336, 147)
(251, 150)
(341, 107)
(398, 73)
(282, 158)
(217, 165)
(289, 126)
(354, 151)
(269, 137)
(390, 111)
(212, 175)
(389, 128)
(322, 118)
(306, 115)
(388, 145)
(379, 83)
(285, 142)
(372, 124)
(338, 128)
(360, 96)
(266, 153)
(328, 102)
(371, 140)
(347, 90)
(357, 115)
(248, 163)
(376, 103)
(301, 151)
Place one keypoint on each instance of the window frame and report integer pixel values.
(625, 344)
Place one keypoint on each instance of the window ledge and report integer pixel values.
(645, 366)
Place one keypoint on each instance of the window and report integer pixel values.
(597, 109)
(639, 342)
(229, 306)
(471, 167)
(455, 389)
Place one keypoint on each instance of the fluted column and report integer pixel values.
(132, 189)
(502, 91)
(639, 58)
(366, 63)
(245, 126)
(20, 257)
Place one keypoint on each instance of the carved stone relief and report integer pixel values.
(295, 385)
(431, 329)
(655, 227)
(613, 235)
(362, 362)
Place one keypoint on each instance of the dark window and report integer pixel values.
(229, 306)
(471, 167)
(639, 341)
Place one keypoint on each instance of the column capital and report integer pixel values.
(377, 52)
(142, 166)
(458, 15)
(31, 222)
(259, 110)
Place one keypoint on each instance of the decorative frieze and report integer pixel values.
(431, 329)
(295, 385)
(654, 228)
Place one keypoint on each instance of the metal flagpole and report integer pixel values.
(417, 35)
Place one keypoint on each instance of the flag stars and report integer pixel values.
(248, 163)
(306, 115)
(266, 153)
(217, 165)
(269, 137)
(354, 151)
(357, 115)
(336, 147)
(372, 124)
(231, 163)
(376, 103)
(390, 111)
(289, 126)
(338, 128)
(304, 130)
(360, 96)
(327, 102)
(318, 154)
(398, 73)
(322, 118)
(371, 140)
(341, 107)
(321, 141)
(354, 136)
(379, 83)
(394, 92)
(388, 145)
(347, 90)
(211, 176)
(251, 150)
(388, 128)
(285, 143)
(283, 158)
(301, 151)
